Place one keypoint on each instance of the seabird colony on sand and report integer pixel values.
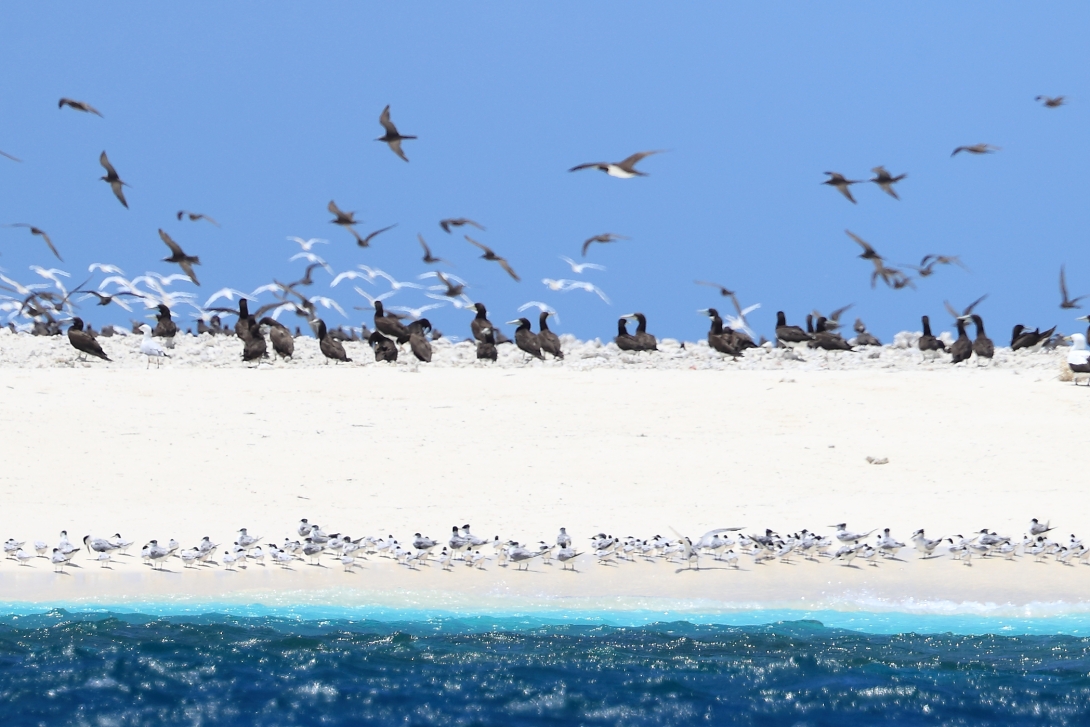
(43, 311)
(309, 544)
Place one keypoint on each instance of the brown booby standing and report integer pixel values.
(282, 341)
(526, 339)
(862, 337)
(828, 340)
(480, 321)
(254, 348)
(982, 345)
(962, 348)
(927, 342)
(717, 338)
(165, 327)
(84, 342)
(390, 326)
(331, 348)
(550, 342)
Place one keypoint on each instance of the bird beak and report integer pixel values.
(514, 323)
(703, 312)
(1069, 339)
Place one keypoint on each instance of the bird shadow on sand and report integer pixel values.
(695, 570)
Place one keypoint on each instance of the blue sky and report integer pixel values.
(258, 115)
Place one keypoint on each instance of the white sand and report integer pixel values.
(188, 451)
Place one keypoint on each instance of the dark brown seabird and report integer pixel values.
(982, 345)
(525, 339)
(625, 340)
(385, 349)
(112, 179)
(646, 341)
(88, 108)
(41, 233)
(331, 348)
(392, 138)
(84, 342)
(178, 256)
(549, 341)
(624, 169)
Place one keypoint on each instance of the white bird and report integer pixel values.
(120, 543)
(521, 555)
(543, 307)
(99, 545)
(563, 539)
(310, 257)
(23, 557)
(247, 541)
(348, 562)
(414, 312)
(444, 559)
(846, 536)
(1035, 527)
(229, 293)
(105, 268)
(923, 544)
(59, 561)
(256, 554)
(578, 268)
(307, 244)
(462, 302)
(41, 548)
(394, 284)
(889, 544)
(588, 287)
(189, 556)
(151, 348)
(51, 274)
(229, 561)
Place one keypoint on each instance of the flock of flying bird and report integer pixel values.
(310, 544)
(46, 309)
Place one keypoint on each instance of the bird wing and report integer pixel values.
(50, 243)
(9, 156)
(1063, 285)
(863, 243)
(487, 250)
(631, 161)
(589, 165)
(835, 315)
(974, 304)
(174, 247)
(445, 224)
(384, 119)
(506, 266)
(376, 233)
(960, 148)
(188, 268)
(118, 192)
(105, 162)
(198, 216)
(395, 146)
(335, 210)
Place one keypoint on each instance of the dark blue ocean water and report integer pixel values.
(126, 669)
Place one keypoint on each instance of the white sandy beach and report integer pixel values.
(519, 451)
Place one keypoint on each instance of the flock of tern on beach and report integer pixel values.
(721, 545)
(42, 307)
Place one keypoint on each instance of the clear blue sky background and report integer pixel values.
(259, 114)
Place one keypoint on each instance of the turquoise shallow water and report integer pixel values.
(257, 665)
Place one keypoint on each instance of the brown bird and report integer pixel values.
(722, 290)
(81, 106)
(453, 289)
(366, 241)
(489, 255)
(1051, 102)
(345, 219)
(486, 345)
(1067, 302)
(549, 341)
(837, 180)
(112, 179)
(41, 233)
(306, 279)
(331, 348)
(178, 256)
(624, 169)
(868, 251)
(385, 349)
(526, 339)
(884, 180)
(982, 345)
(107, 299)
(83, 341)
(428, 257)
(457, 222)
(965, 314)
(254, 347)
(9, 156)
(977, 149)
(282, 341)
(604, 238)
(929, 262)
(962, 348)
(392, 138)
(196, 216)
